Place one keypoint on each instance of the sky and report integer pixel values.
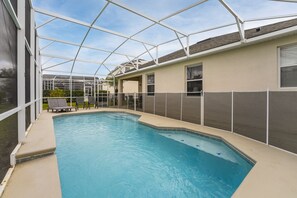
(204, 16)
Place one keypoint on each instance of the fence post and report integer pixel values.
(127, 101)
(267, 117)
(181, 106)
(134, 101)
(202, 108)
(232, 110)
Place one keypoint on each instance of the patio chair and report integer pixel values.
(53, 104)
(63, 105)
(91, 101)
(80, 101)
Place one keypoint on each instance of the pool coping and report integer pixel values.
(273, 175)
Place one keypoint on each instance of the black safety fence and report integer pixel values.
(266, 116)
(217, 110)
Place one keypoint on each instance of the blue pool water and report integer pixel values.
(113, 155)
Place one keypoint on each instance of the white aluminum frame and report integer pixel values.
(22, 45)
(239, 22)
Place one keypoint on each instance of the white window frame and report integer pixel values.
(280, 66)
(186, 78)
(147, 84)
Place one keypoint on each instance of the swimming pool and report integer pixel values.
(113, 155)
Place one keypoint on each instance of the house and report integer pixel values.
(266, 59)
(241, 86)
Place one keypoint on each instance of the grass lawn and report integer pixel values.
(45, 105)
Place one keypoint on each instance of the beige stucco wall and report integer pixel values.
(249, 68)
(130, 87)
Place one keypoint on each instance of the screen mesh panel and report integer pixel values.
(8, 141)
(27, 77)
(191, 111)
(8, 58)
(28, 21)
(149, 104)
(283, 120)
(14, 4)
(249, 117)
(160, 103)
(174, 105)
(28, 117)
(217, 110)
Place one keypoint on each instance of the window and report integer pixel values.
(151, 84)
(194, 80)
(288, 66)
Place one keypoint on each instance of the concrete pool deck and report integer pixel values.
(274, 174)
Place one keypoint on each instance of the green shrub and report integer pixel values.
(57, 93)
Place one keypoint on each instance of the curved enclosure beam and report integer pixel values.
(86, 35)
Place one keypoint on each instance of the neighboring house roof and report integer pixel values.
(222, 40)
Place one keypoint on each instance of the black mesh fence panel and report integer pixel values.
(249, 117)
(139, 102)
(191, 109)
(122, 101)
(283, 120)
(112, 100)
(160, 99)
(217, 110)
(102, 100)
(174, 105)
(131, 99)
(149, 104)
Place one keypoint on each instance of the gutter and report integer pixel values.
(258, 39)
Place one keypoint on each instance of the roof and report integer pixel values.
(222, 40)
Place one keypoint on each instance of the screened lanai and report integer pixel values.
(92, 38)
(223, 68)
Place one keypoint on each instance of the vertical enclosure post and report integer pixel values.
(21, 71)
(114, 98)
(157, 55)
(94, 92)
(70, 87)
(188, 45)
